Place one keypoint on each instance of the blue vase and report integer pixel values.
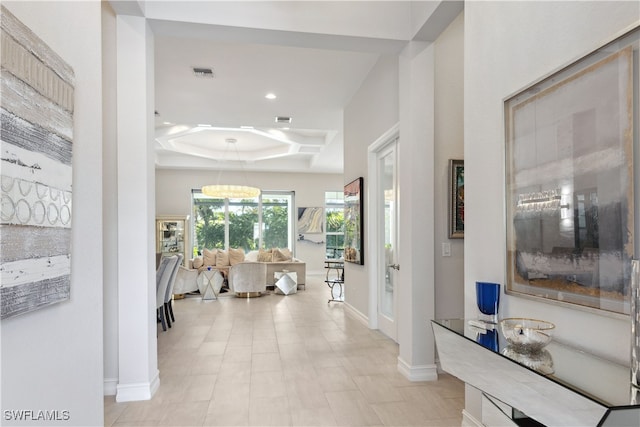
(488, 339)
(488, 300)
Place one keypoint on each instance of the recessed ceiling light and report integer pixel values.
(204, 125)
(246, 127)
(270, 96)
(167, 123)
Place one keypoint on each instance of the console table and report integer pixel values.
(570, 388)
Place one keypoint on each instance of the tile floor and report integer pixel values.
(283, 361)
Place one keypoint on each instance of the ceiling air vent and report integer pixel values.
(282, 119)
(203, 72)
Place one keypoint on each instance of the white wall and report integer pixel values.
(423, 91)
(138, 376)
(507, 46)
(173, 197)
(386, 20)
(52, 358)
(372, 111)
(449, 144)
(110, 201)
(416, 290)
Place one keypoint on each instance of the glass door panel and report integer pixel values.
(388, 232)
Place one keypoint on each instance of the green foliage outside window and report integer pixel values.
(209, 224)
(276, 220)
(241, 223)
(334, 218)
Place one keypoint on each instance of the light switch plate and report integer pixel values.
(446, 249)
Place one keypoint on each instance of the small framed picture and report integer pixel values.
(456, 199)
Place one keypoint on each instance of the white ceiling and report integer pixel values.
(313, 55)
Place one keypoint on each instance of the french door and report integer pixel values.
(387, 241)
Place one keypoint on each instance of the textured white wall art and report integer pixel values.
(36, 133)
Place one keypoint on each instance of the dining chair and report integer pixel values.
(168, 308)
(163, 275)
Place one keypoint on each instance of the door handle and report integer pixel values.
(395, 266)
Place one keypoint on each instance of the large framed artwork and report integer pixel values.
(456, 199)
(36, 136)
(569, 181)
(354, 222)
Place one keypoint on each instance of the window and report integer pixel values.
(334, 211)
(263, 222)
(278, 220)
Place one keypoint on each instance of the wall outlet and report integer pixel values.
(446, 249)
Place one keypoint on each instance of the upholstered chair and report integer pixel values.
(247, 279)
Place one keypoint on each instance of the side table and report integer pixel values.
(336, 283)
(286, 282)
(209, 284)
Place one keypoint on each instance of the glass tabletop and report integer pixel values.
(604, 381)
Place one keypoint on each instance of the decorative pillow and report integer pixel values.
(198, 262)
(287, 253)
(222, 258)
(265, 255)
(209, 256)
(252, 256)
(280, 255)
(236, 256)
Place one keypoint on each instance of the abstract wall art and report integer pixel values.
(36, 135)
(310, 220)
(570, 181)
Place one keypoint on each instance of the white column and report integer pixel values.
(416, 289)
(137, 343)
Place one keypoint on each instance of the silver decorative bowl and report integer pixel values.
(540, 361)
(526, 335)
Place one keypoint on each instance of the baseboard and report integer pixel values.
(419, 372)
(138, 391)
(469, 420)
(356, 314)
(110, 386)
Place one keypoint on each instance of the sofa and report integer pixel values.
(236, 266)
